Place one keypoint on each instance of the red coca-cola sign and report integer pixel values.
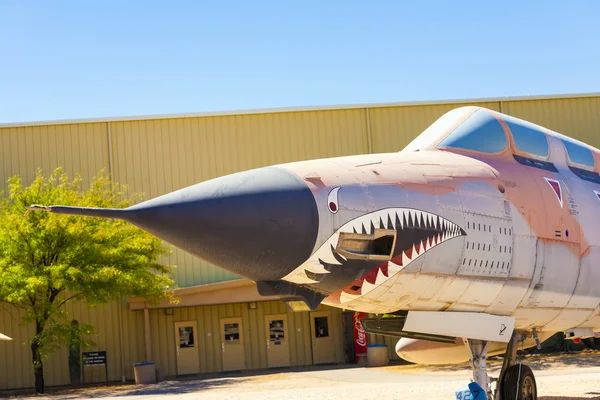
(360, 336)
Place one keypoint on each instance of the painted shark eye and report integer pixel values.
(332, 200)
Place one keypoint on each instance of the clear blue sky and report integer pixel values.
(85, 59)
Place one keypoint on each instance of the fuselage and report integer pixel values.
(520, 235)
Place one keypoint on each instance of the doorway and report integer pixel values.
(232, 344)
(323, 346)
(186, 341)
(278, 346)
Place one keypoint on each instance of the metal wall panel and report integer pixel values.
(392, 128)
(16, 370)
(578, 118)
(78, 148)
(209, 344)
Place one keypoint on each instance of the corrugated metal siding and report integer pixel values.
(158, 156)
(392, 128)
(79, 148)
(578, 118)
(16, 370)
(253, 323)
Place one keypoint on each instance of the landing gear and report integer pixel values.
(519, 383)
(478, 349)
(516, 381)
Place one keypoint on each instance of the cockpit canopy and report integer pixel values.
(480, 131)
(477, 129)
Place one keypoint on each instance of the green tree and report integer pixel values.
(48, 260)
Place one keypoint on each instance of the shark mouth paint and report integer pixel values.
(369, 250)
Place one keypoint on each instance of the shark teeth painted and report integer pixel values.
(317, 268)
(347, 297)
(417, 232)
(367, 287)
(393, 268)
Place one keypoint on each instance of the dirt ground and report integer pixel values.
(567, 377)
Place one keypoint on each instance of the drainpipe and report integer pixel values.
(120, 301)
(147, 334)
(110, 151)
(121, 344)
(369, 139)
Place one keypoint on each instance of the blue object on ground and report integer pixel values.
(472, 391)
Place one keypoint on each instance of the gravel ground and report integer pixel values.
(568, 377)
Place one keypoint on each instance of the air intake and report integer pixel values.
(361, 246)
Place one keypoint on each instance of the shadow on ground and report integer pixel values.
(567, 398)
(203, 382)
(537, 362)
(171, 385)
(162, 388)
(584, 359)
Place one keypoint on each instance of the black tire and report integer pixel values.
(519, 376)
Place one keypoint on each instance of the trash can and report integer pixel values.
(377, 355)
(145, 373)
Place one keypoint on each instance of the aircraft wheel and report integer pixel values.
(519, 384)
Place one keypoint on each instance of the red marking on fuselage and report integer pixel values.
(384, 269)
(555, 185)
(335, 297)
(398, 260)
(371, 276)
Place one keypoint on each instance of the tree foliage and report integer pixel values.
(48, 260)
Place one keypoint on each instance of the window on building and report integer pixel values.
(528, 138)
(481, 131)
(578, 153)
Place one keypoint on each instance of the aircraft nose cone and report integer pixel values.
(260, 224)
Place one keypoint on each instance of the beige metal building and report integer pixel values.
(221, 322)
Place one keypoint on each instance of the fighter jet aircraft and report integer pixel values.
(480, 235)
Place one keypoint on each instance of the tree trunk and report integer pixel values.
(74, 358)
(36, 357)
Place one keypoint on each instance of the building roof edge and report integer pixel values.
(296, 109)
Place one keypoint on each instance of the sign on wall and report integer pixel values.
(94, 359)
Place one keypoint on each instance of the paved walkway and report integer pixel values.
(569, 377)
